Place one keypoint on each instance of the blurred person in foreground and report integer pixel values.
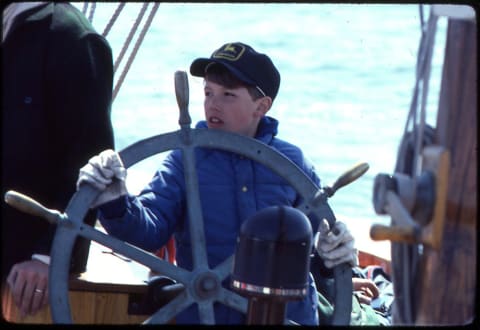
(57, 76)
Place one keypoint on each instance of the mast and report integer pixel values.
(432, 199)
(448, 286)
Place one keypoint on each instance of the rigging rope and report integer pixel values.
(423, 68)
(92, 10)
(85, 8)
(404, 311)
(113, 19)
(135, 50)
(129, 38)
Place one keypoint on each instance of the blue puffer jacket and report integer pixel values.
(232, 189)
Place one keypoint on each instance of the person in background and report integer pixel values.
(57, 77)
(240, 85)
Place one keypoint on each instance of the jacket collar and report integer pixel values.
(16, 13)
(267, 128)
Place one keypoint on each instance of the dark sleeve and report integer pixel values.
(79, 82)
(82, 106)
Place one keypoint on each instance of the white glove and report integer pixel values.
(336, 246)
(106, 173)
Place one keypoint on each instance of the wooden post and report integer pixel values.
(446, 295)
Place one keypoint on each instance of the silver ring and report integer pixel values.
(38, 291)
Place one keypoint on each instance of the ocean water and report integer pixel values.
(347, 78)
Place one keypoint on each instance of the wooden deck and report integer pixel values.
(104, 294)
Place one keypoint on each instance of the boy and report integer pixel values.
(240, 86)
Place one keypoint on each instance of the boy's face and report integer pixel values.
(233, 109)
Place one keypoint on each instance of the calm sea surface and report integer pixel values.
(348, 73)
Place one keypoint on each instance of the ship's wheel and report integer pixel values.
(202, 285)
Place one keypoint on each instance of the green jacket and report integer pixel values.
(57, 77)
(362, 314)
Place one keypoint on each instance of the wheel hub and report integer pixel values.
(206, 285)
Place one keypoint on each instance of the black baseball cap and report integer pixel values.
(246, 64)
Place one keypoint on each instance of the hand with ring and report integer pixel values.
(28, 282)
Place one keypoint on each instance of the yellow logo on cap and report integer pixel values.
(229, 48)
(230, 52)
